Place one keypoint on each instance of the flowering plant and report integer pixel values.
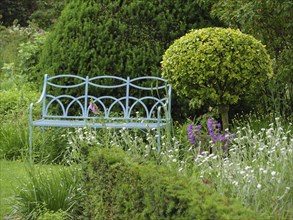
(209, 139)
(94, 108)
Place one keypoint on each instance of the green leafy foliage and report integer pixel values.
(10, 38)
(14, 102)
(267, 20)
(215, 65)
(15, 10)
(120, 188)
(28, 55)
(47, 12)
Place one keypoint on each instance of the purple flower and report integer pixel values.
(190, 132)
(213, 133)
(193, 133)
(222, 137)
(198, 128)
(218, 125)
(210, 127)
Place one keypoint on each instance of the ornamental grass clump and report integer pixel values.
(53, 192)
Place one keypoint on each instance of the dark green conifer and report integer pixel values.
(119, 38)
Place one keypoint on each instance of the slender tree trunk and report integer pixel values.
(223, 110)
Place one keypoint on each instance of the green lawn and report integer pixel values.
(11, 172)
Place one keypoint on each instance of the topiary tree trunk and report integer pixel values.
(223, 111)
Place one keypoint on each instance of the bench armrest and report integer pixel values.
(37, 102)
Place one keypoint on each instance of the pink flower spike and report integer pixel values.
(94, 108)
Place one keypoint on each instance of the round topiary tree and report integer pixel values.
(216, 66)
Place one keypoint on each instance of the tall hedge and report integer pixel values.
(120, 38)
(117, 37)
(120, 188)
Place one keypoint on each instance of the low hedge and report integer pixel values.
(120, 188)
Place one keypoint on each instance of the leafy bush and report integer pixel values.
(51, 215)
(28, 55)
(119, 188)
(14, 107)
(14, 102)
(10, 38)
(19, 51)
(47, 13)
(216, 66)
(14, 10)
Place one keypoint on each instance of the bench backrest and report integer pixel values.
(117, 98)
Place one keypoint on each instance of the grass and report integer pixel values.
(50, 184)
(11, 173)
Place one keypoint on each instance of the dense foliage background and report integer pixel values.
(129, 37)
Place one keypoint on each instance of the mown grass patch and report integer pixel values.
(11, 173)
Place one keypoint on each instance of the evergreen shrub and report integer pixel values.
(118, 38)
(120, 188)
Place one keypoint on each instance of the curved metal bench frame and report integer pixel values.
(149, 120)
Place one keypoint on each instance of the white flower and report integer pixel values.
(258, 186)
(247, 168)
(273, 173)
(214, 157)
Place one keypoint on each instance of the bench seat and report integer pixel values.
(82, 123)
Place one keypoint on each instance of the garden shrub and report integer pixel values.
(10, 38)
(14, 106)
(216, 66)
(14, 10)
(15, 99)
(120, 188)
(120, 38)
(28, 55)
(47, 13)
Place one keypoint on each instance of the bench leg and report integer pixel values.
(159, 139)
(30, 143)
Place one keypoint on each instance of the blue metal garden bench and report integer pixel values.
(65, 111)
